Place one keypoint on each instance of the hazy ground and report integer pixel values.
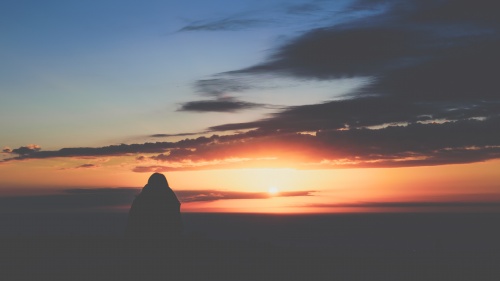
(256, 247)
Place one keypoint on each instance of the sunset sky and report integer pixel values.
(251, 106)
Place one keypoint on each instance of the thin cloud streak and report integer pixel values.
(214, 195)
(225, 24)
(106, 199)
(219, 105)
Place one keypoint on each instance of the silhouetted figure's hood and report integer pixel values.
(155, 212)
(165, 192)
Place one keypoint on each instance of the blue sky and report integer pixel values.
(93, 73)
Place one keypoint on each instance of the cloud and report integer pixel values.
(454, 11)
(225, 24)
(83, 166)
(222, 90)
(442, 52)
(441, 49)
(219, 105)
(174, 135)
(461, 74)
(365, 112)
(87, 166)
(111, 150)
(419, 50)
(102, 199)
(283, 14)
(403, 36)
(414, 144)
(329, 53)
(6, 150)
(218, 87)
(27, 150)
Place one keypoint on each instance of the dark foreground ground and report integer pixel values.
(261, 247)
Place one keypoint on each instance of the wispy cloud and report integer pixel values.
(175, 135)
(290, 14)
(219, 105)
(230, 23)
(82, 166)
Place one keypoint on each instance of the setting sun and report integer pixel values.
(273, 190)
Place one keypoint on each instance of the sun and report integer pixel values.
(273, 190)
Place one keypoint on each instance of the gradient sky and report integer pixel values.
(338, 106)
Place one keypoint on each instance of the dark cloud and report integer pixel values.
(218, 87)
(411, 145)
(27, 150)
(222, 90)
(99, 199)
(6, 150)
(461, 141)
(112, 150)
(231, 24)
(417, 50)
(83, 166)
(405, 35)
(87, 166)
(462, 74)
(363, 112)
(437, 12)
(174, 135)
(219, 105)
(329, 53)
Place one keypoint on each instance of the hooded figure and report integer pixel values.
(155, 212)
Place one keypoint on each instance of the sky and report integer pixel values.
(251, 106)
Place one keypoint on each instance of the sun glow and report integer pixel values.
(273, 190)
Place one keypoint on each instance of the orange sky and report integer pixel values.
(329, 189)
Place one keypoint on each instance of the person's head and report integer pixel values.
(157, 179)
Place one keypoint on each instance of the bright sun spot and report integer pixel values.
(273, 190)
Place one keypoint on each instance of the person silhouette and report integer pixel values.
(155, 212)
